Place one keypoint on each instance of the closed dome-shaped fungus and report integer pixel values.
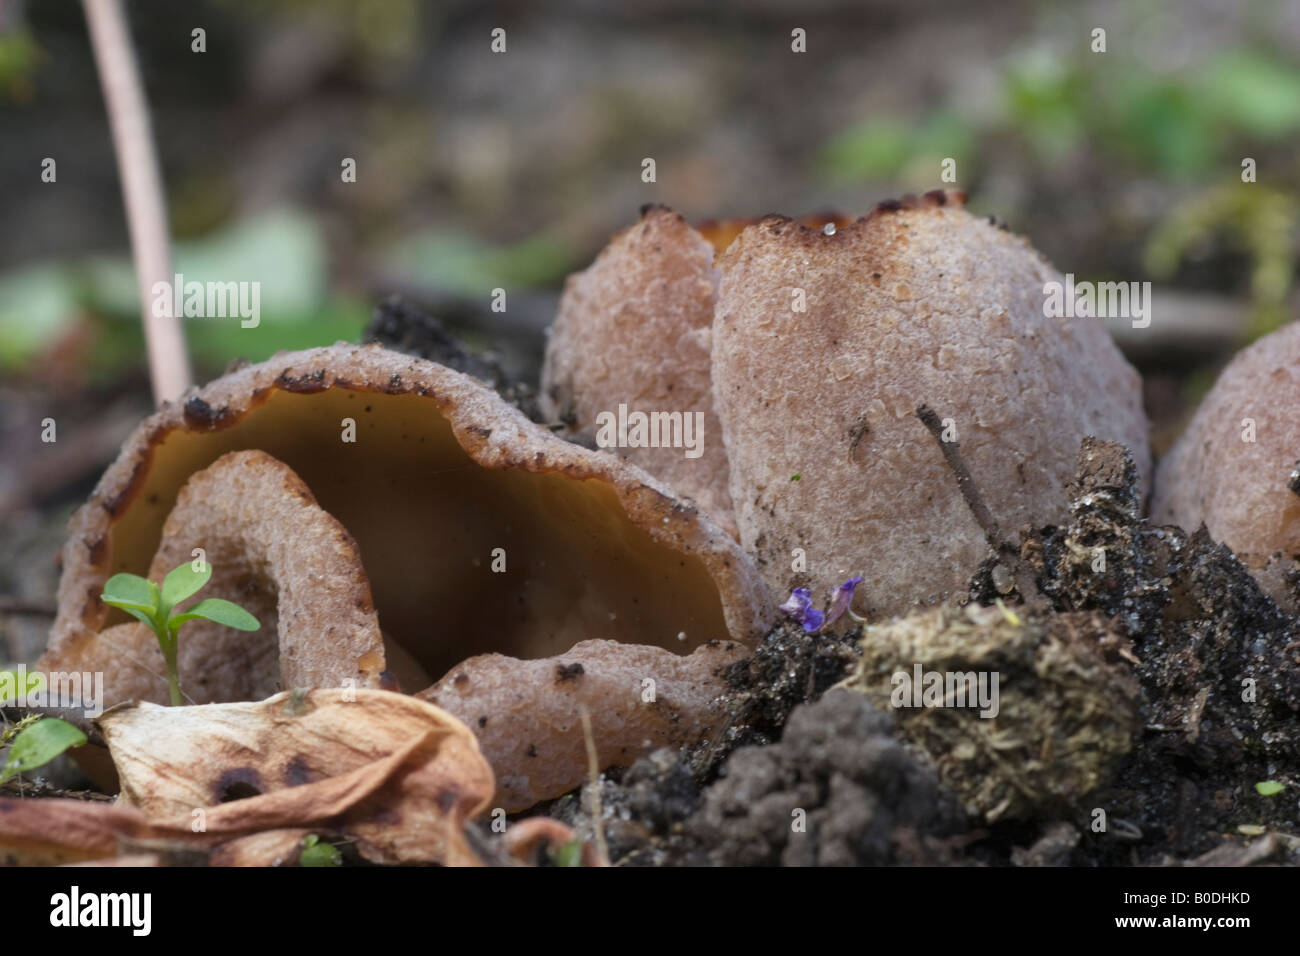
(633, 335)
(632, 332)
(479, 533)
(1234, 468)
(826, 343)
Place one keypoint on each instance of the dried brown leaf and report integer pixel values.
(398, 775)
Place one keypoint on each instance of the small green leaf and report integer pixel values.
(220, 611)
(1269, 788)
(184, 582)
(796, 476)
(568, 854)
(140, 615)
(39, 744)
(316, 852)
(131, 592)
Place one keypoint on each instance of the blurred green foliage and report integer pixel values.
(1169, 124)
(37, 304)
(282, 250)
(889, 148)
(459, 263)
(1134, 119)
(19, 57)
(376, 30)
(1256, 220)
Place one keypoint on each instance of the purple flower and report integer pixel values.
(799, 606)
(813, 620)
(842, 599)
(800, 599)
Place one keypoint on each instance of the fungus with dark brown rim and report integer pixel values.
(825, 344)
(479, 533)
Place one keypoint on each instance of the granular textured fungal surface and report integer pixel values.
(825, 345)
(441, 481)
(634, 329)
(286, 560)
(527, 714)
(483, 544)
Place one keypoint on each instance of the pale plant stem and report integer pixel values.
(146, 209)
(593, 770)
(169, 649)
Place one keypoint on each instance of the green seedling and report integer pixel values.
(318, 852)
(568, 854)
(1269, 788)
(38, 743)
(147, 602)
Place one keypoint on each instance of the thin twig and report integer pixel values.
(952, 455)
(1026, 579)
(21, 607)
(146, 209)
(593, 770)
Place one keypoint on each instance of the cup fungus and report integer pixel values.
(270, 544)
(1235, 467)
(824, 345)
(534, 747)
(480, 535)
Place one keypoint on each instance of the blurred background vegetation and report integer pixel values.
(477, 170)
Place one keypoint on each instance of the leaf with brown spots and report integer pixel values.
(395, 774)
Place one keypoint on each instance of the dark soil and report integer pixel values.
(838, 790)
(1219, 668)
(404, 327)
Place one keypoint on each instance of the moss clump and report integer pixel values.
(1067, 703)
